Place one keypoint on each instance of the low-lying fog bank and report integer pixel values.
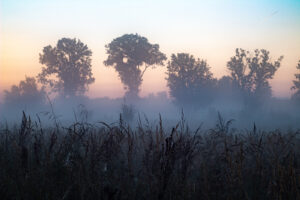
(275, 114)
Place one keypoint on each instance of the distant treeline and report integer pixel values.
(67, 72)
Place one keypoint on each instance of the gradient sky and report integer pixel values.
(210, 30)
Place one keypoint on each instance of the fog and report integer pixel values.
(57, 94)
(275, 114)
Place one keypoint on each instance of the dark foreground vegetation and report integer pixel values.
(101, 161)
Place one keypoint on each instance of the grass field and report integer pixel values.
(102, 161)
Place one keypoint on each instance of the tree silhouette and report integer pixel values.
(70, 62)
(131, 55)
(240, 74)
(27, 92)
(263, 70)
(296, 85)
(190, 80)
(251, 73)
(225, 86)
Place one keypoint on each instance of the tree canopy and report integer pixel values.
(27, 92)
(190, 80)
(296, 85)
(131, 55)
(70, 64)
(251, 72)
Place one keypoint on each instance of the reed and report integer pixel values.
(103, 161)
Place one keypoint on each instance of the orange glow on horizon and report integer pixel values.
(212, 35)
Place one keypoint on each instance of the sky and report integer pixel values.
(210, 30)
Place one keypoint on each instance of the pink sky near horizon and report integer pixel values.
(107, 82)
(211, 33)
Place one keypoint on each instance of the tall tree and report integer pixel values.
(251, 73)
(263, 70)
(70, 62)
(131, 55)
(27, 92)
(190, 80)
(240, 74)
(296, 85)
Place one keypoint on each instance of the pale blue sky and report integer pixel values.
(208, 29)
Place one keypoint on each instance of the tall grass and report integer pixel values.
(102, 161)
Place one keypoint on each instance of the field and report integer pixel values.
(102, 161)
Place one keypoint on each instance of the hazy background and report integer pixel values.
(207, 29)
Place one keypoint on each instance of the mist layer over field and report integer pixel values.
(276, 113)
